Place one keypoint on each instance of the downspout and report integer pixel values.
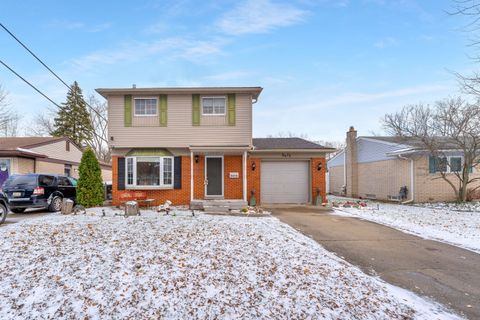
(412, 183)
(345, 170)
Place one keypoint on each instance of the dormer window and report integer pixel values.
(213, 105)
(146, 107)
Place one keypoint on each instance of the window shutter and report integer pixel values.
(195, 109)
(128, 110)
(231, 109)
(432, 164)
(163, 110)
(177, 173)
(121, 174)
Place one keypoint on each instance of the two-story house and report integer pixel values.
(193, 144)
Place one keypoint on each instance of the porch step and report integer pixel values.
(222, 205)
(216, 209)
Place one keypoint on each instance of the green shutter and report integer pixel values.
(231, 109)
(128, 110)
(195, 109)
(432, 164)
(163, 110)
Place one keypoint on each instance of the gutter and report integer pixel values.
(412, 183)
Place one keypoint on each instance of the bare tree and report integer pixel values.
(9, 119)
(470, 9)
(288, 134)
(98, 117)
(42, 124)
(451, 125)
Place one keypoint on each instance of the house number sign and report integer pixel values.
(286, 155)
(233, 175)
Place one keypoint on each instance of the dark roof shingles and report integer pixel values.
(285, 143)
(12, 143)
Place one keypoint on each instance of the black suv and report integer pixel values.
(36, 190)
(3, 207)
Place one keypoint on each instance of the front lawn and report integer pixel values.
(185, 267)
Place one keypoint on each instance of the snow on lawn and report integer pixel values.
(460, 228)
(179, 267)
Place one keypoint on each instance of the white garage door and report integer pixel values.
(284, 182)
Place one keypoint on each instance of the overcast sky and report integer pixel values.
(324, 65)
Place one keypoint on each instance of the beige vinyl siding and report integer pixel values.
(50, 167)
(179, 132)
(58, 151)
(213, 120)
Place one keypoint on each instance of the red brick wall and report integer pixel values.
(253, 178)
(233, 186)
(177, 196)
(199, 178)
(318, 179)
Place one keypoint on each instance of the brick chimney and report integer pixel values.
(351, 174)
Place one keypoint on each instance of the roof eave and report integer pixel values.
(105, 92)
(320, 150)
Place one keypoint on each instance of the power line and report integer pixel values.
(31, 85)
(49, 69)
(33, 54)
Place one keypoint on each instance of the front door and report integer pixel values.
(214, 176)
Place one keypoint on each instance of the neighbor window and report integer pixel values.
(145, 106)
(213, 105)
(67, 170)
(149, 171)
(445, 164)
(455, 164)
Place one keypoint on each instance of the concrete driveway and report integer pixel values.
(447, 274)
(29, 214)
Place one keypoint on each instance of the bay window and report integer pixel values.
(149, 171)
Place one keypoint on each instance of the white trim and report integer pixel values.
(206, 181)
(134, 168)
(244, 165)
(145, 115)
(214, 114)
(191, 176)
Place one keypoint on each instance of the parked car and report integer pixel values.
(36, 190)
(3, 207)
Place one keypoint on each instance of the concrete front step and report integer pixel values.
(210, 204)
(216, 209)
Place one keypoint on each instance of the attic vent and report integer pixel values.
(393, 198)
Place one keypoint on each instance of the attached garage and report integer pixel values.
(285, 181)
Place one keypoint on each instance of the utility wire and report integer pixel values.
(31, 85)
(33, 54)
(51, 71)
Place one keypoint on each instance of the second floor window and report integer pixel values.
(213, 105)
(145, 106)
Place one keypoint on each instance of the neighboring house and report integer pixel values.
(42, 155)
(193, 144)
(377, 167)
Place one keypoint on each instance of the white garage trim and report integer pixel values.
(285, 181)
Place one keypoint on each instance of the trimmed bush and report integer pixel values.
(90, 184)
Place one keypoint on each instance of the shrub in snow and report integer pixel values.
(90, 186)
